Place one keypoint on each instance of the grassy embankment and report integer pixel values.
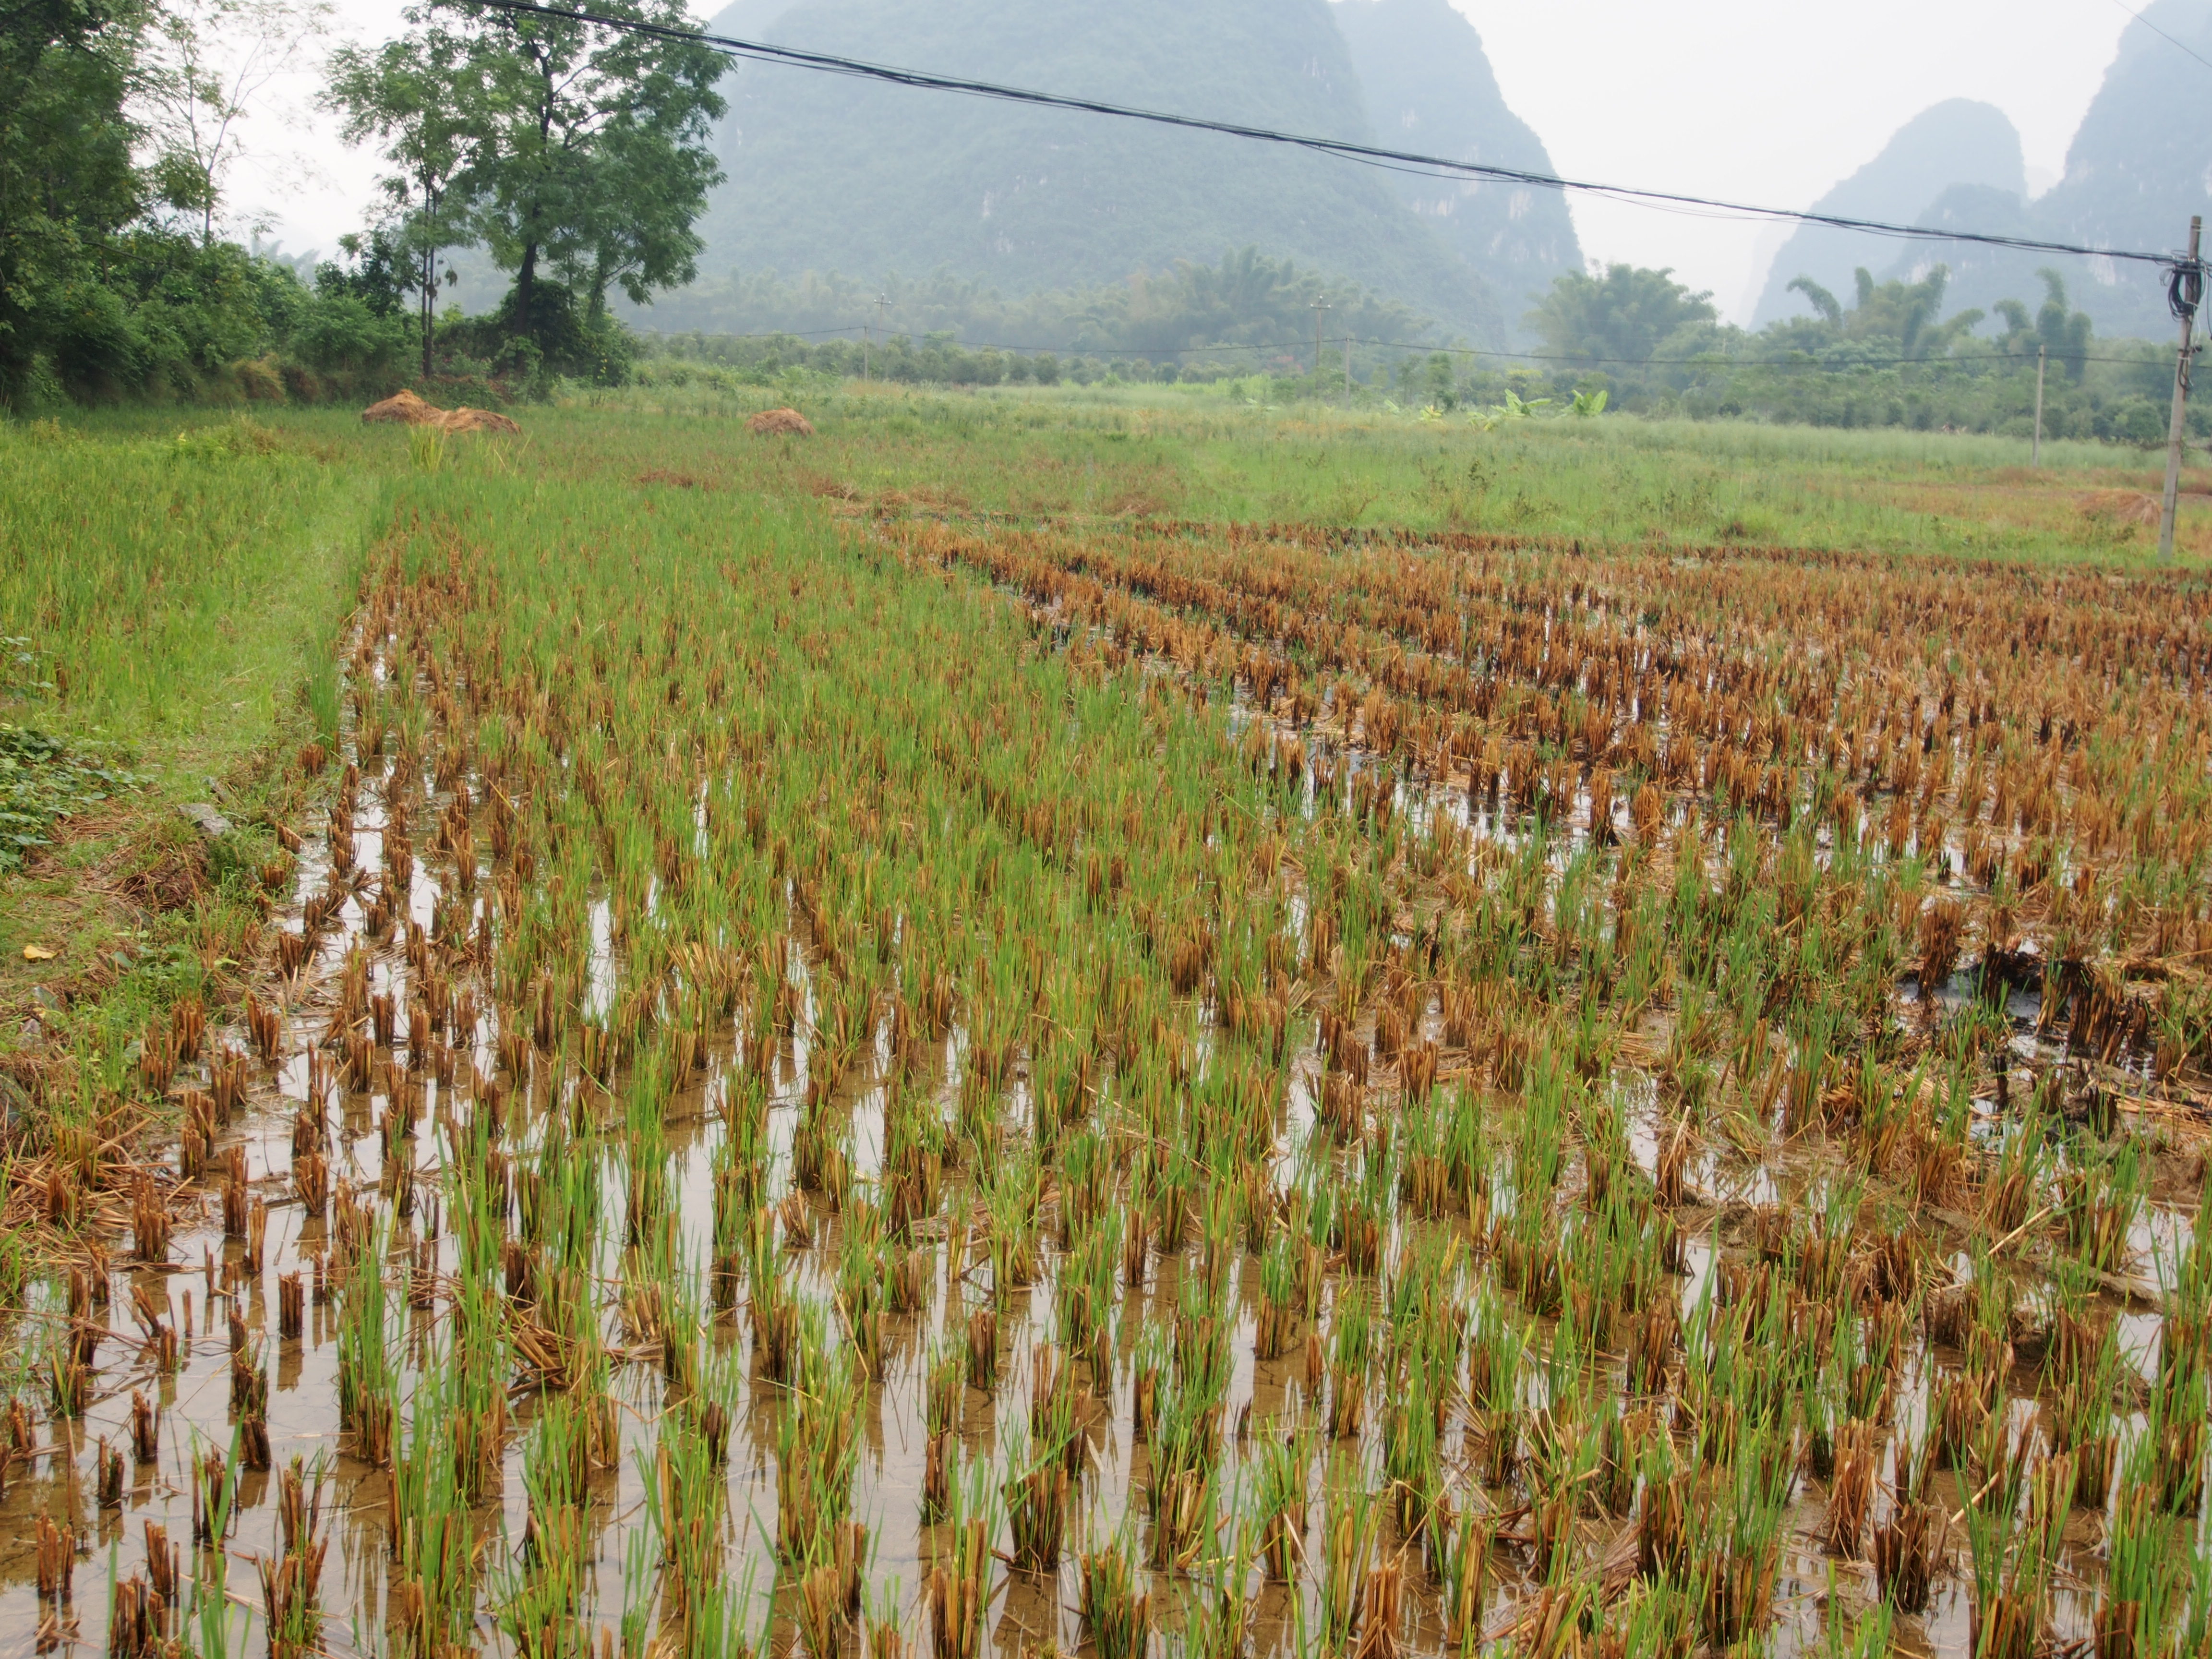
(172, 604)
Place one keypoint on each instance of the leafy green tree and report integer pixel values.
(356, 316)
(1831, 308)
(1892, 319)
(2055, 329)
(1622, 316)
(1443, 384)
(1906, 313)
(1898, 318)
(66, 180)
(410, 95)
(591, 152)
(2062, 333)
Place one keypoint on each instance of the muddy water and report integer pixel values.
(208, 1280)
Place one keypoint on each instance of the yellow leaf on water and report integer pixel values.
(38, 953)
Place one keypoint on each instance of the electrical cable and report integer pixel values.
(1366, 154)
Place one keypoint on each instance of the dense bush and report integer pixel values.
(565, 341)
(168, 319)
(106, 290)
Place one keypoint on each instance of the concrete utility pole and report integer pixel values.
(2035, 450)
(1319, 306)
(867, 331)
(2184, 292)
(1347, 368)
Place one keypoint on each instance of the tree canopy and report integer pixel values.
(1622, 316)
(403, 95)
(68, 182)
(117, 121)
(575, 151)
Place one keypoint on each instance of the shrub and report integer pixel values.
(260, 379)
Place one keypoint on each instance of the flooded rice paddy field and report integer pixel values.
(926, 1086)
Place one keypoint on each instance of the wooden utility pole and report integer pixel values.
(2035, 450)
(2188, 288)
(1320, 307)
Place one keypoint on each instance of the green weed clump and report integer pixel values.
(43, 777)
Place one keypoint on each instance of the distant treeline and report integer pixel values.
(1887, 358)
(1266, 306)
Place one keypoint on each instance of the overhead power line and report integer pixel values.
(1368, 154)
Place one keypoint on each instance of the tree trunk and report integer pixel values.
(429, 308)
(525, 283)
(600, 279)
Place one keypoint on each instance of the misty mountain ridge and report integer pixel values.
(2140, 165)
(1430, 89)
(826, 173)
(829, 175)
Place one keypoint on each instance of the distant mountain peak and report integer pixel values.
(1957, 142)
(2139, 165)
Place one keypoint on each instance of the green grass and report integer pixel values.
(172, 592)
(178, 580)
(1203, 454)
(170, 587)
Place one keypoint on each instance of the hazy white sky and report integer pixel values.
(1772, 101)
(1759, 101)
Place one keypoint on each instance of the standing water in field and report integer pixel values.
(1186, 1091)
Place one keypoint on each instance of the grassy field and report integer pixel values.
(1135, 454)
(1118, 1021)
